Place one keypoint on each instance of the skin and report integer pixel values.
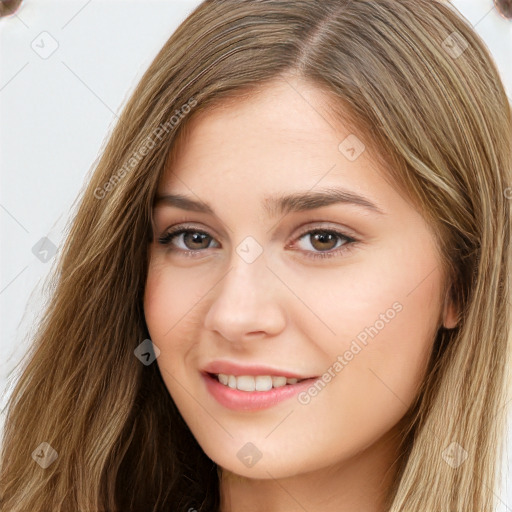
(286, 310)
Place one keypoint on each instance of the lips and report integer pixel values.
(252, 387)
(237, 370)
(251, 400)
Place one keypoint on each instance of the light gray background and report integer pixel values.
(56, 112)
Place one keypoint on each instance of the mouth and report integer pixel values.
(253, 392)
(249, 383)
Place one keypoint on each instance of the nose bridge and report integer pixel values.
(246, 299)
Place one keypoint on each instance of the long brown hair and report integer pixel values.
(419, 87)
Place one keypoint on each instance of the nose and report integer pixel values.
(248, 304)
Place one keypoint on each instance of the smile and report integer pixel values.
(251, 393)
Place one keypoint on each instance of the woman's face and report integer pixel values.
(336, 291)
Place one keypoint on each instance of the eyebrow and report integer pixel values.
(275, 205)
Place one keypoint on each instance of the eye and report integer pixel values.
(195, 237)
(326, 242)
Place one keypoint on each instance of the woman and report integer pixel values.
(287, 285)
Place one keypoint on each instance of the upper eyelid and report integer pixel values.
(303, 230)
(304, 218)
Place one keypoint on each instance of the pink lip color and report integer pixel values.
(230, 368)
(252, 400)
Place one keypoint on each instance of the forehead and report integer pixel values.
(279, 113)
(284, 121)
(276, 144)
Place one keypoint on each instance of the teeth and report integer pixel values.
(263, 383)
(246, 383)
(278, 382)
(251, 383)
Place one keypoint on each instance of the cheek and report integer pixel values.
(161, 311)
(158, 299)
(384, 318)
(400, 345)
(162, 315)
(171, 298)
(173, 306)
(389, 351)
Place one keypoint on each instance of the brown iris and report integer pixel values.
(193, 237)
(324, 239)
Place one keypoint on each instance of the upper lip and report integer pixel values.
(229, 368)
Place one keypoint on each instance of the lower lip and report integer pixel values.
(252, 400)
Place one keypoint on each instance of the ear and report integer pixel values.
(450, 310)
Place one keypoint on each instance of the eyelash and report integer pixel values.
(349, 244)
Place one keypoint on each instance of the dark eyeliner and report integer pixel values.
(349, 244)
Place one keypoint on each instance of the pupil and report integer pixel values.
(324, 238)
(197, 237)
